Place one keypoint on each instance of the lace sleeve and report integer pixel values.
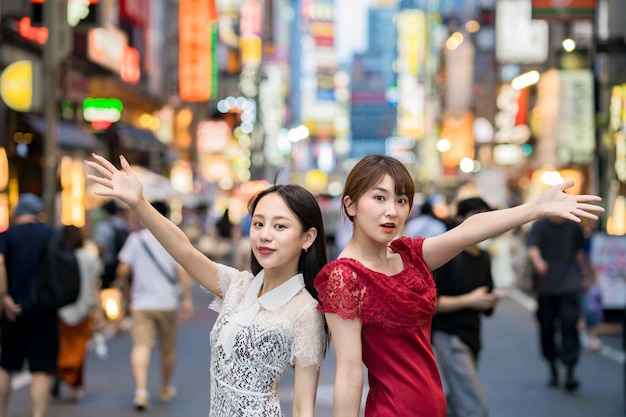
(309, 338)
(340, 290)
(411, 246)
(225, 276)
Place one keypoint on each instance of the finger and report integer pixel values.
(571, 216)
(126, 166)
(588, 198)
(99, 180)
(586, 214)
(565, 185)
(103, 171)
(105, 162)
(590, 207)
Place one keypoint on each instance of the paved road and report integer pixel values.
(511, 368)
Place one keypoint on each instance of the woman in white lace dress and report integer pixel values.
(268, 320)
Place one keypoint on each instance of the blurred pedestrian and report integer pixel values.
(379, 295)
(242, 243)
(464, 292)
(110, 234)
(555, 249)
(268, 317)
(77, 319)
(217, 243)
(154, 305)
(26, 332)
(426, 224)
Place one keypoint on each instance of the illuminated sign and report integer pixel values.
(213, 136)
(35, 34)
(197, 65)
(457, 128)
(16, 85)
(107, 47)
(136, 11)
(251, 17)
(576, 128)
(563, 10)
(130, 71)
(77, 10)
(519, 38)
(102, 109)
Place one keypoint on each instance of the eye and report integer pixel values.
(379, 198)
(257, 224)
(403, 200)
(280, 226)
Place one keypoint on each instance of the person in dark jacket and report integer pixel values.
(464, 292)
(26, 331)
(555, 249)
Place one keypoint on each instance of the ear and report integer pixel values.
(349, 205)
(309, 238)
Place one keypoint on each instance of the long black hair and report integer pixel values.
(305, 207)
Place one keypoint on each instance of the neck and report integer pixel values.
(273, 279)
(366, 249)
(25, 218)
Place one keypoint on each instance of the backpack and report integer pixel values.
(121, 234)
(119, 238)
(58, 281)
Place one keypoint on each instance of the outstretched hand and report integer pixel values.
(555, 202)
(121, 184)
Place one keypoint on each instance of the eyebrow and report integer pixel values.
(384, 190)
(275, 218)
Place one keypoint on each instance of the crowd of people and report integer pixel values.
(393, 289)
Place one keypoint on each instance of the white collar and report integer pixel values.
(252, 304)
(275, 298)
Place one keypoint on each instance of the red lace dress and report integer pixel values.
(396, 313)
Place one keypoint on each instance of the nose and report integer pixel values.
(265, 233)
(392, 210)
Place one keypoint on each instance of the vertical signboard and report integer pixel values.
(576, 130)
(519, 39)
(196, 54)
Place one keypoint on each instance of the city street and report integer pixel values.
(513, 373)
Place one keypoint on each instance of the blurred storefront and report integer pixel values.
(114, 53)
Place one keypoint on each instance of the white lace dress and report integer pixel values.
(255, 339)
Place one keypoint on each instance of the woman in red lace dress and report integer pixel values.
(379, 296)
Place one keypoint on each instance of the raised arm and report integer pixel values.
(125, 186)
(554, 202)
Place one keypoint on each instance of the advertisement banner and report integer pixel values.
(563, 9)
(608, 256)
(576, 121)
(519, 38)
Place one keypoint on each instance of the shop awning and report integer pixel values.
(69, 135)
(134, 138)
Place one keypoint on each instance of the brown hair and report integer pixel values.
(371, 170)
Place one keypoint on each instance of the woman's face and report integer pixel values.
(379, 213)
(276, 235)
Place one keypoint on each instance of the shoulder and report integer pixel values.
(339, 269)
(231, 278)
(408, 246)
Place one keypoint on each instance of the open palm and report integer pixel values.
(121, 184)
(555, 202)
